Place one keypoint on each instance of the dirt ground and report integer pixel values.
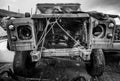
(112, 69)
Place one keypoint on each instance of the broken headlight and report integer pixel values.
(24, 32)
(99, 31)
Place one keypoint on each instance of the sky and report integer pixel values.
(105, 6)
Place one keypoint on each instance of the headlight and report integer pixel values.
(11, 27)
(99, 31)
(24, 32)
(13, 38)
(111, 25)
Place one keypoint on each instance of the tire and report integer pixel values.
(97, 64)
(22, 64)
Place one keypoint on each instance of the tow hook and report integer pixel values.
(36, 55)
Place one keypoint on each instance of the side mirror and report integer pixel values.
(27, 14)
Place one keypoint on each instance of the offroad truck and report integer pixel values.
(58, 35)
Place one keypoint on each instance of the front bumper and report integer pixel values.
(68, 52)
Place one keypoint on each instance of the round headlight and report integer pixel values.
(98, 31)
(13, 38)
(111, 25)
(24, 32)
(109, 35)
(11, 27)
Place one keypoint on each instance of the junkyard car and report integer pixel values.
(60, 32)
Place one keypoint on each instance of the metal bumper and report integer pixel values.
(68, 52)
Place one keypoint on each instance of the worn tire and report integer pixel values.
(22, 64)
(97, 64)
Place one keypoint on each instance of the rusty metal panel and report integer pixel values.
(19, 44)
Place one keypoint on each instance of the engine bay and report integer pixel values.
(61, 33)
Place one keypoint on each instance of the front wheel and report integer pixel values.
(22, 64)
(97, 62)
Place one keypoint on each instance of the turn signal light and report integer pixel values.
(111, 25)
(13, 38)
(109, 35)
(11, 27)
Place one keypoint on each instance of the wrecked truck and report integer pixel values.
(58, 35)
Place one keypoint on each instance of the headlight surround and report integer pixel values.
(24, 32)
(11, 27)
